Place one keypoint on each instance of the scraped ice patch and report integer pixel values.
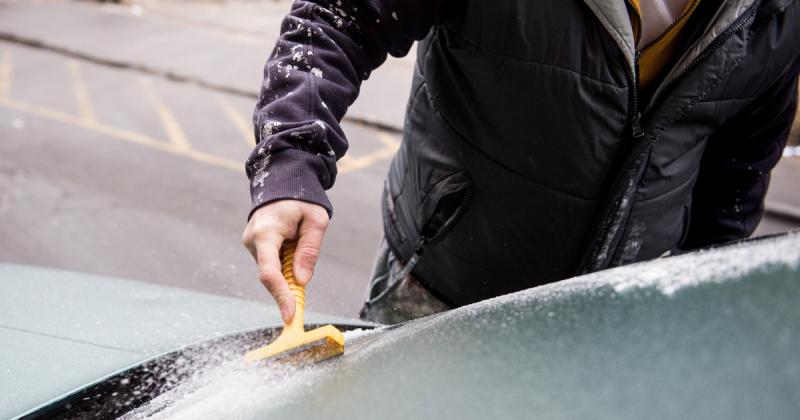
(216, 382)
(233, 389)
(359, 333)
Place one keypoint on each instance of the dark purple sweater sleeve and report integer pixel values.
(728, 199)
(325, 50)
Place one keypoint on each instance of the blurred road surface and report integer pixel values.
(123, 131)
(108, 171)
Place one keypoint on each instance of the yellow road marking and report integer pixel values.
(171, 125)
(5, 72)
(82, 98)
(245, 127)
(349, 164)
(122, 134)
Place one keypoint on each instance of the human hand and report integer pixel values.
(266, 231)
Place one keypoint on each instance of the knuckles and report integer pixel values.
(308, 255)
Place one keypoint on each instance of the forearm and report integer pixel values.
(326, 49)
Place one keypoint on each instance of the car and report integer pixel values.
(708, 334)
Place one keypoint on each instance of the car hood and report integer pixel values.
(61, 330)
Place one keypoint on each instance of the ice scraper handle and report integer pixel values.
(299, 292)
(295, 343)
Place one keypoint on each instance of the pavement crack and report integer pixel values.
(164, 74)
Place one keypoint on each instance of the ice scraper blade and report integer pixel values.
(296, 345)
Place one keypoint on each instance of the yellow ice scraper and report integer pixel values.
(295, 344)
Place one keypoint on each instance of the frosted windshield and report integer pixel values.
(707, 335)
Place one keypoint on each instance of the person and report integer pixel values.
(543, 139)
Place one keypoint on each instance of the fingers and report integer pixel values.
(269, 272)
(311, 231)
(266, 231)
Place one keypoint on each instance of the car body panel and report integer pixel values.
(61, 330)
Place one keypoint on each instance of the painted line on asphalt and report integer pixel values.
(81, 92)
(6, 67)
(121, 134)
(171, 125)
(171, 76)
(245, 127)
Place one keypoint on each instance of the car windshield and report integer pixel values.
(693, 336)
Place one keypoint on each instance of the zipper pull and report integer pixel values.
(636, 126)
(412, 262)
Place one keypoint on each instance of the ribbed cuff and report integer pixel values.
(290, 175)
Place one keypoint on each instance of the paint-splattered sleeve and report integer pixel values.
(325, 50)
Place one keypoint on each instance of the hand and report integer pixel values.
(264, 234)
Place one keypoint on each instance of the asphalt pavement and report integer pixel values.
(123, 132)
(113, 172)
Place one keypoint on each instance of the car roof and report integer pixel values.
(61, 329)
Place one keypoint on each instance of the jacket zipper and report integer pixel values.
(636, 116)
(590, 265)
(636, 122)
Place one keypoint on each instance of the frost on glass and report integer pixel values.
(706, 335)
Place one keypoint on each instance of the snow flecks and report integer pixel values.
(288, 70)
(307, 134)
(324, 105)
(316, 72)
(394, 16)
(258, 179)
(269, 128)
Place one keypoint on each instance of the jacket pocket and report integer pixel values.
(444, 205)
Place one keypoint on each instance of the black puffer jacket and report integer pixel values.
(529, 154)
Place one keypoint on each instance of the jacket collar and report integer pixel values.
(613, 15)
(726, 15)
